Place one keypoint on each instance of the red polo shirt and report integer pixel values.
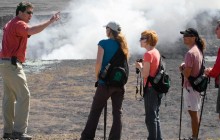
(14, 42)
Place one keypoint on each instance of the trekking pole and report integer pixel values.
(137, 87)
(181, 106)
(140, 86)
(203, 101)
(105, 119)
(200, 118)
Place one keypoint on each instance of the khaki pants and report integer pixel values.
(16, 98)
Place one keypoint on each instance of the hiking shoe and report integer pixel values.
(21, 136)
(7, 136)
(191, 138)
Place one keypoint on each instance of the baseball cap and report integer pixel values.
(190, 31)
(114, 26)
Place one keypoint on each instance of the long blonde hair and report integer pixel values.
(122, 41)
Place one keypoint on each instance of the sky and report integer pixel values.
(80, 28)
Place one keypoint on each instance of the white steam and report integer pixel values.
(76, 35)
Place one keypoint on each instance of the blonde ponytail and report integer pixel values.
(122, 41)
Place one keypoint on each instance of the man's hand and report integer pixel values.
(55, 17)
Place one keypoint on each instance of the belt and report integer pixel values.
(5, 58)
(9, 59)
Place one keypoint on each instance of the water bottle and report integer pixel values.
(104, 73)
(158, 77)
(198, 80)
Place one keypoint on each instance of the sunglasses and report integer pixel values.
(143, 38)
(218, 27)
(29, 12)
(188, 35)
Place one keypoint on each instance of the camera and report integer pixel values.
(137, 70)
(139, 60)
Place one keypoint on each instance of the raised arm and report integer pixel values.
(40, 27)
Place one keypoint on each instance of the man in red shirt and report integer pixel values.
(215, 70)
(16, 99)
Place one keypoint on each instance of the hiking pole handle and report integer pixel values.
(96, 84)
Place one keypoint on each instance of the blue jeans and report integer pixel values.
(152, 101)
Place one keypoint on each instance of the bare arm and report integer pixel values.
(186, 72)
(99, 58)
(40, 27)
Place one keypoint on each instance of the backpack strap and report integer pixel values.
(202, 65)
(150, 78)
(113, 59)
(117, 56)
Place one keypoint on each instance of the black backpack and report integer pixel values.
(116, 72)
(200, 82)
(161, 82)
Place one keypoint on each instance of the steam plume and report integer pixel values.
(81, 28)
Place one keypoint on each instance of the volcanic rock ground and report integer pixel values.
(62, 93)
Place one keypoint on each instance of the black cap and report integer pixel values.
(190, 31)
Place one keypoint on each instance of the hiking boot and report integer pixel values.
(21, 136)
(7, 136)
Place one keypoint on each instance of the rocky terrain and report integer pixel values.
(62, 92)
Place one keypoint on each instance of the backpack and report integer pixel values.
(200, 82)
(116, 72)
(161, 82)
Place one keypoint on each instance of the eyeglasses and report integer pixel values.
(143, 38)
(29, 12)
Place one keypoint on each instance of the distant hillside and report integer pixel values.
(204, 22)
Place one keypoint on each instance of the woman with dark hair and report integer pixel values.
(215, 70)
(106, 50)
(191, 67)
(152, 98)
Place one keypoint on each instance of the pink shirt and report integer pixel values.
(153, 57)
(193, 59)
(14, 42)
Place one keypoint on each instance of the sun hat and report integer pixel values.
(114, 26)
